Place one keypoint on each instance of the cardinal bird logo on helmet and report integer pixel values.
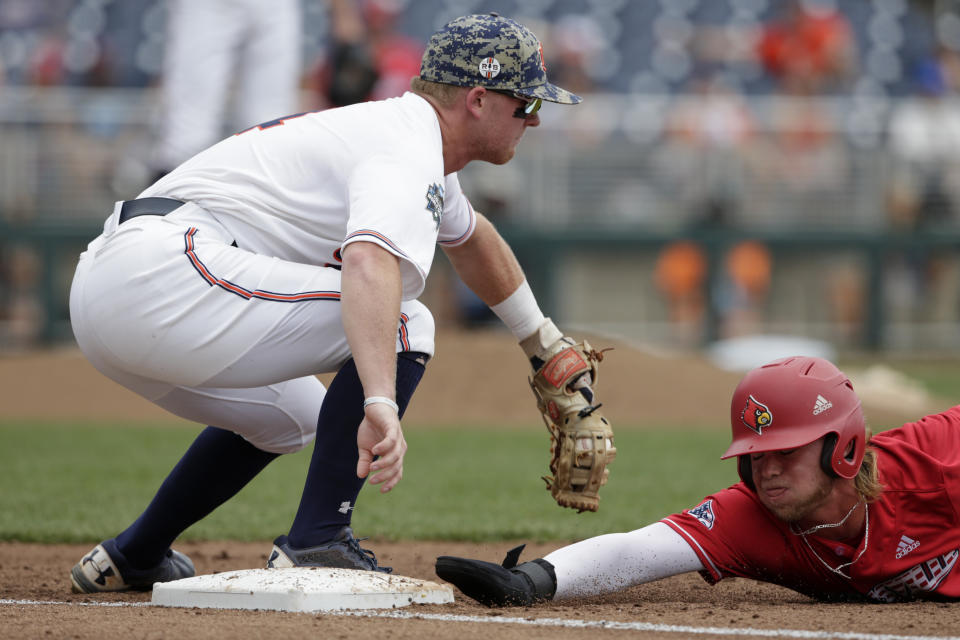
(756, 415)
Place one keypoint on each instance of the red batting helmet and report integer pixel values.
(792, 402)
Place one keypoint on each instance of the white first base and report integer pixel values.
(299, 589)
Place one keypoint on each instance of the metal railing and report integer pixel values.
(595, 194)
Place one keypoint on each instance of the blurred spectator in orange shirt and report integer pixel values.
(744, 289)
(680, 275)
(811, 49)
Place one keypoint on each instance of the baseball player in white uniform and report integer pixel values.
(296, 247)
(244, 54)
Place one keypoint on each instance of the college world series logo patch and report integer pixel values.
(435, 202)
(704, 513)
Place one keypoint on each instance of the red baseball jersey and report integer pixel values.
(913, 540)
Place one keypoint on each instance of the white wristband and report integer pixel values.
(520, 312)
(382, 399)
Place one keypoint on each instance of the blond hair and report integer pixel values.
(444, 94)
(867, 482)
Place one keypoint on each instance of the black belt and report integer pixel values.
(148, 207)
(151, 207)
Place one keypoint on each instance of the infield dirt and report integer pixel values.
(476, 377)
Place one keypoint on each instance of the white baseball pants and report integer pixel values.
(166, 307)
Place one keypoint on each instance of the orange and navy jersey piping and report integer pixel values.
(243, 292)
(373, 234)
(404, 333)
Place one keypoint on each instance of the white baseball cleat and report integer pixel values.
(106, 569)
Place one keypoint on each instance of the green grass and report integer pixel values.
(83, 482)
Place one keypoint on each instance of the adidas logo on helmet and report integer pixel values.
(821, 405)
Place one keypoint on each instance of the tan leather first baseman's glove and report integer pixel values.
(581, 439)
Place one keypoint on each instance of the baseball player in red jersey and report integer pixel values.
(297, 247)
(822, 508)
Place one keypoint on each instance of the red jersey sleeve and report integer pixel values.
(735, 536)
(931, 455)
(731, 532)
(937, 435)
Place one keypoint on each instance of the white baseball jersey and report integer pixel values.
(302, 187)
(232, 335)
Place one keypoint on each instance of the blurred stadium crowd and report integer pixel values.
(766, 118)
(640, 46)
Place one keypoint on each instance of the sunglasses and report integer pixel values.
(530, 105)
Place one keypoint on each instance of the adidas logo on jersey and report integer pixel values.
(905, 546)
(822, 405)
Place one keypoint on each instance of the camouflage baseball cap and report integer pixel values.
(491, 51)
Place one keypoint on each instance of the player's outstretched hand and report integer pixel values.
(501, 585)
(380, 435)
